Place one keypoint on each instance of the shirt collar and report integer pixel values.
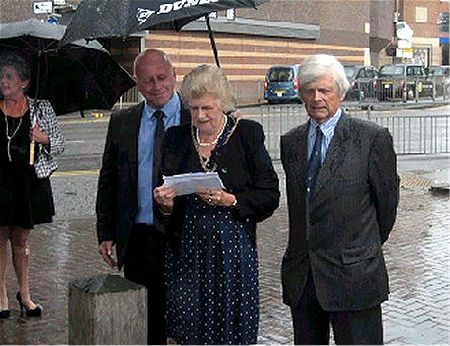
(170, 109)
(330, 123)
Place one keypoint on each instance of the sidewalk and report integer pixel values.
(417, 255)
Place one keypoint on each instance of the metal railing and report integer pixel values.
(417, 134)
(362, 91)
(130, 97)
(412, 134)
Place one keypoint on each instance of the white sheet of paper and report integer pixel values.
(190, 182)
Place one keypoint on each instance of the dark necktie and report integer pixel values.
(315, 162)
(159, 134)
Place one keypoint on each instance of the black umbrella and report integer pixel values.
(95, 19)
(75, 77)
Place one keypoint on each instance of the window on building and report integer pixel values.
(421, 15)
(443, 22)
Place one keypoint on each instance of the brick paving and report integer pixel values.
(417, 255)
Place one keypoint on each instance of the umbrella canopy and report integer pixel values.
(75, 77)
(95, 19)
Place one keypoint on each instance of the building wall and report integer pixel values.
(354, 39)
(17, 10)
(245, 60)
(381, 30)
(444, 32)
(423, 17)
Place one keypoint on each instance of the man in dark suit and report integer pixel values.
(126, 214)
(342, 193)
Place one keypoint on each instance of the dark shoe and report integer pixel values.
(36, 312)
(5, 314)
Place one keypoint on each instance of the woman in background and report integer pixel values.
(25, 193)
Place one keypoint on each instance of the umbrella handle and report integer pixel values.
(212, 41)
(32, 146)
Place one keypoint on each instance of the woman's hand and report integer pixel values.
(164, 197)
(217, 197)
(38, 136)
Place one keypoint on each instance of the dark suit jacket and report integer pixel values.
(117, 185)
(350, 216)
(244, 167)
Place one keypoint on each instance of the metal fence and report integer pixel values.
(412, 134)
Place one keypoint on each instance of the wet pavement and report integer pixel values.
(417, 253)
(417, 256)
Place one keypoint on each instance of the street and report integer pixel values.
(417, 252)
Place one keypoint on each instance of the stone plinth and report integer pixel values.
(107, 309)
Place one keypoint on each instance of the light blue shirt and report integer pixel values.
(327, 129)
(145, 154)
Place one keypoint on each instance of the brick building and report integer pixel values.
(423, 16)
(279, 32)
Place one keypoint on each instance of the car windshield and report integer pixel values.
(391, 70)
(281, 74)
(350, 71)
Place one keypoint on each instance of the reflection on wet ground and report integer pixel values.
(417, 255)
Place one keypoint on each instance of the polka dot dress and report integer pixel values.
(212, 281)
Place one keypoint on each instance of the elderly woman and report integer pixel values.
(25, 193)
(212, 263)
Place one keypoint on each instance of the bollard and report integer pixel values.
(107, 309)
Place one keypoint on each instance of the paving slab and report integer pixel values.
(417, 256)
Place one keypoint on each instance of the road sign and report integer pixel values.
(42, 7)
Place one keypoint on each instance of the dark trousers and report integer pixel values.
(312, 323)
(144, 264)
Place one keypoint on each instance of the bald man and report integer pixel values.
(126, 217)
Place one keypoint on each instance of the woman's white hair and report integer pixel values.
(208, 80)
(318, 65)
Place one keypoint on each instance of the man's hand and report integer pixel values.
(105, 250)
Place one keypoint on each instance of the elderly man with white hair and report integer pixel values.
(342, 192)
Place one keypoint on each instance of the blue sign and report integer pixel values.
(443, 40)
(52, 20)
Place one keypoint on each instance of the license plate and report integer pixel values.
(279, 92)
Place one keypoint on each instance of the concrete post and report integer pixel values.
(107, 309)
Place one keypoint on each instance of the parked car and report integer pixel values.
(404, 81)
(441, 77)
(363, 81)
(281, 84)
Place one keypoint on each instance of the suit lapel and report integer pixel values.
(299, 154)
(132, 134)
(185, 116)
(335, 153)
(134, 123)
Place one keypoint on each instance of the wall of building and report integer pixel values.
(423, 17)
(245, 60)
(354, 39)
(17, 10)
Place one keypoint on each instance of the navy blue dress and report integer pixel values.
(212, 280)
